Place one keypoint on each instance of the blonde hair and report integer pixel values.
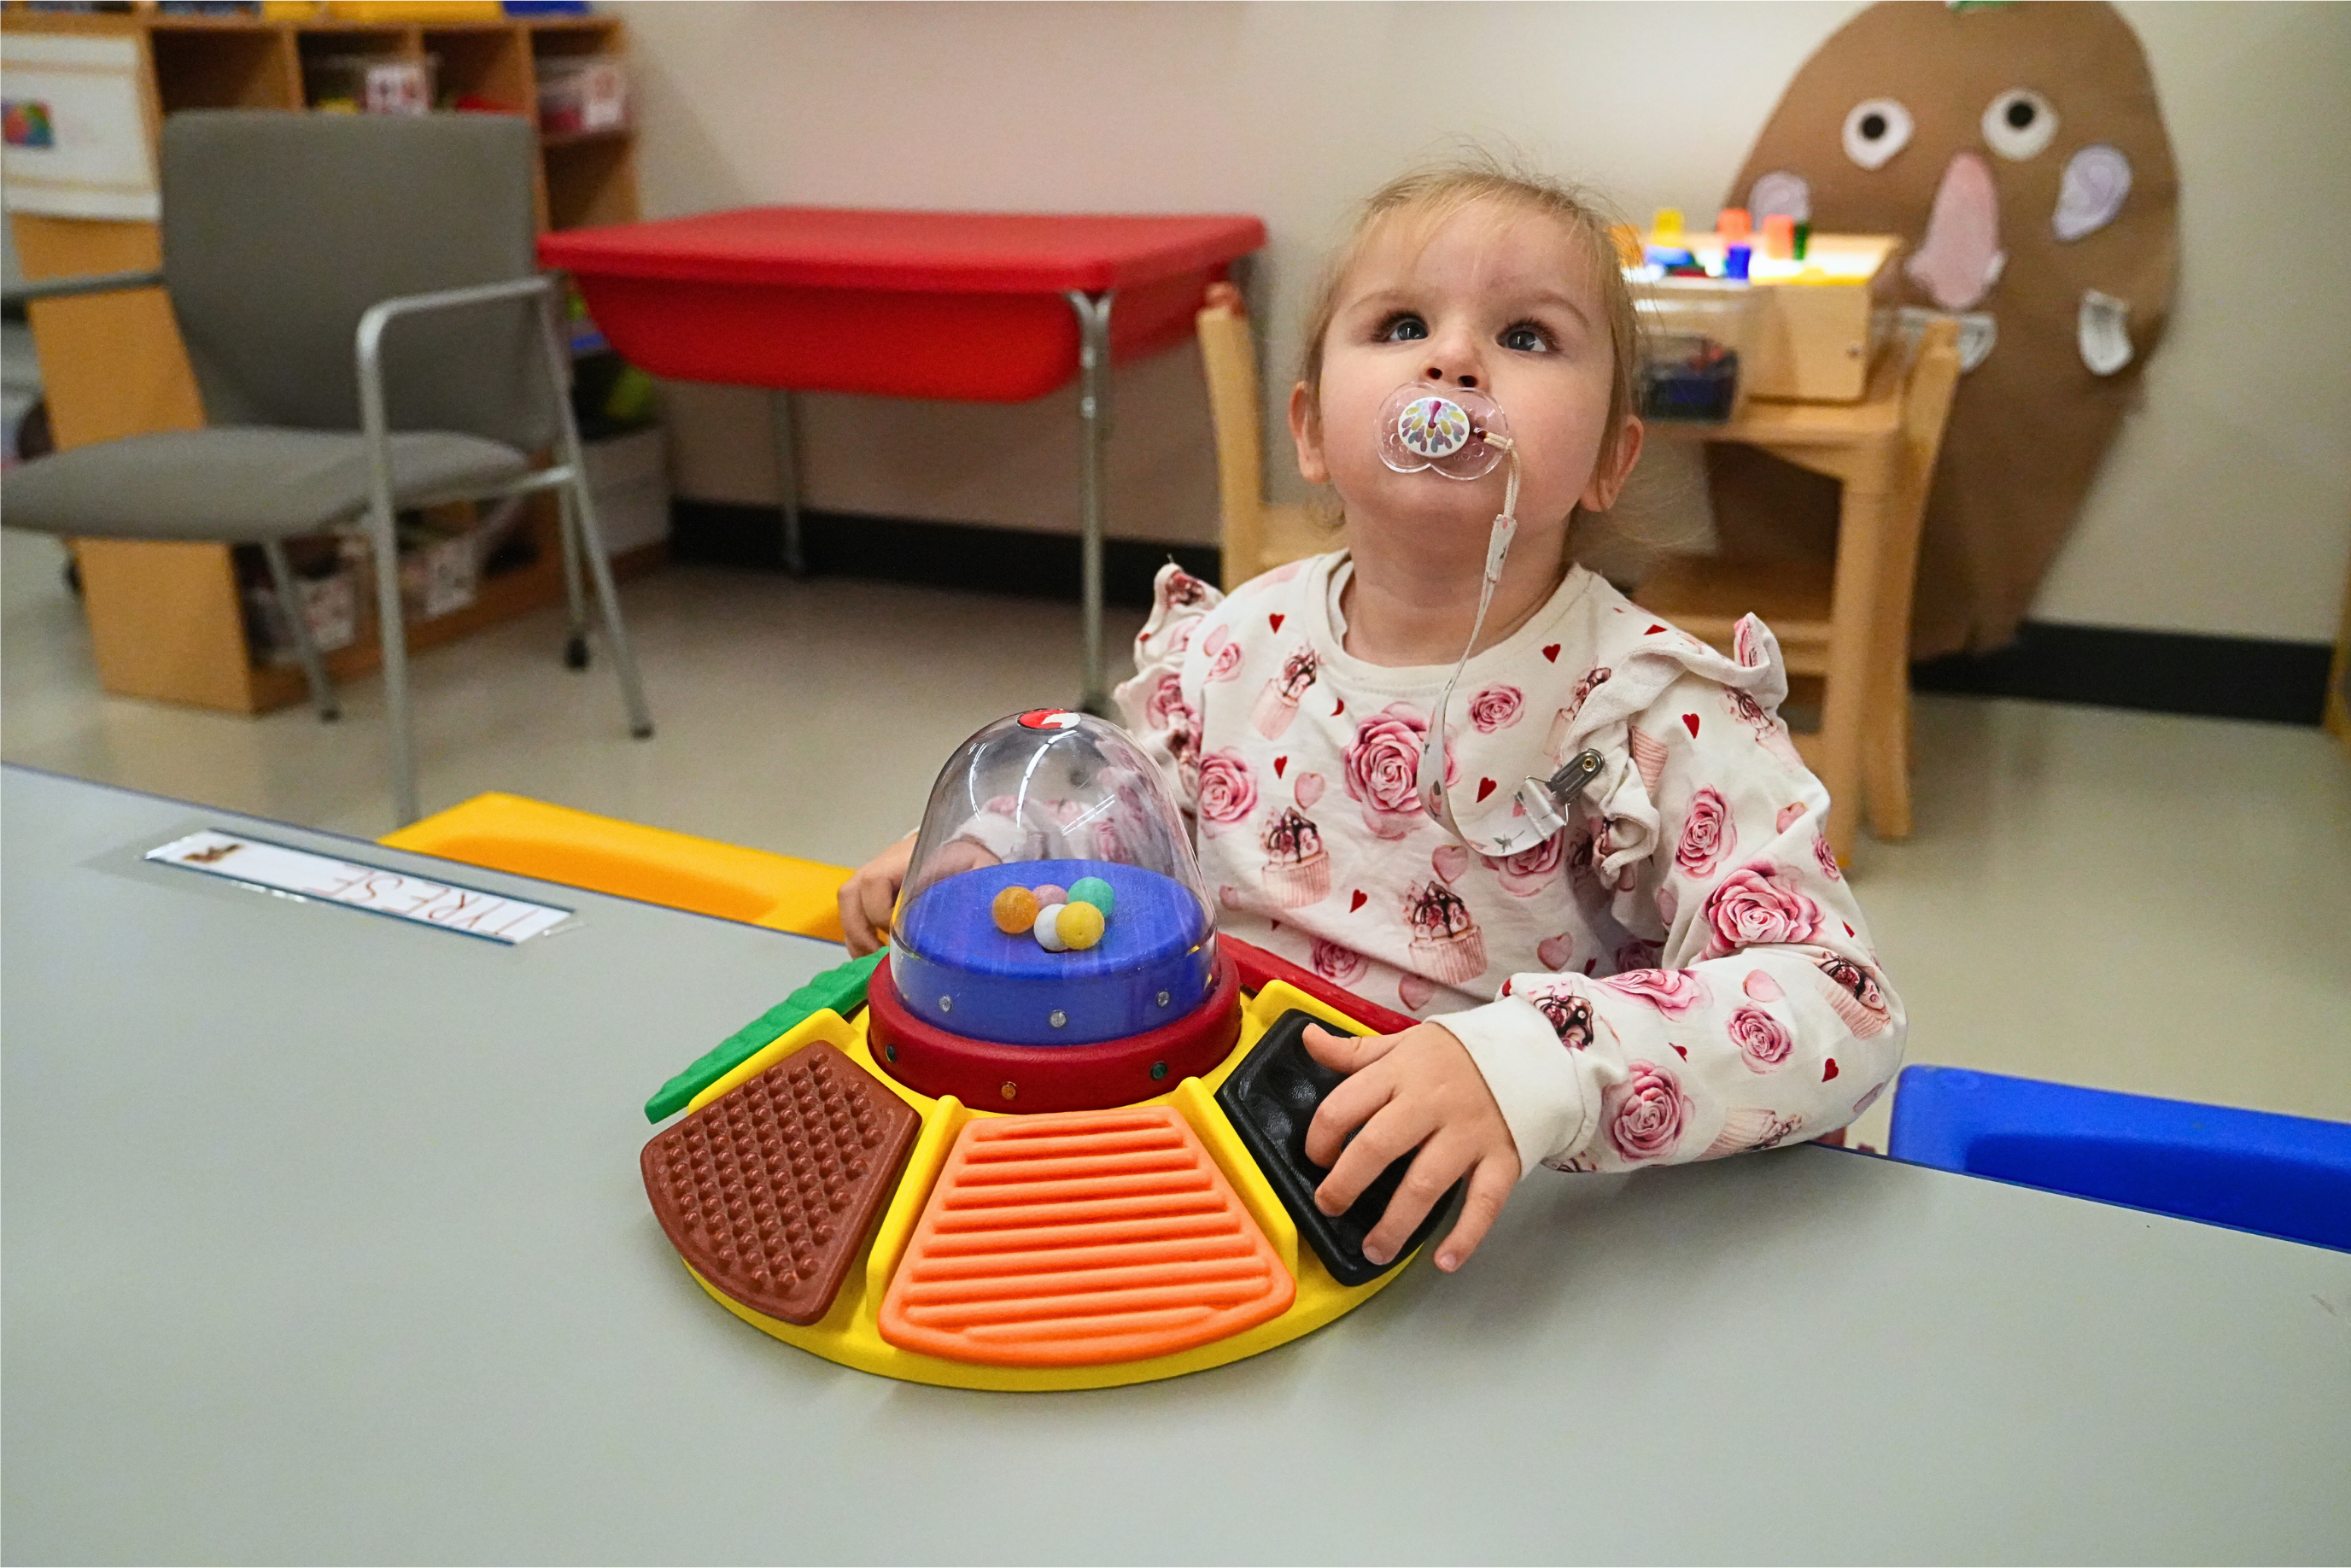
(1442, 190)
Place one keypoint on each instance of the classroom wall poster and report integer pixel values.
(73, 134)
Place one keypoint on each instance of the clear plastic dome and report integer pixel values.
(1053, 898)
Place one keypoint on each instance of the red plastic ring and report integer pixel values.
(987, 1076)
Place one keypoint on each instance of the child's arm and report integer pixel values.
(1161, 705)
(1759, 1016)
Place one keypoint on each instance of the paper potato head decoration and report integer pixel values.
(2020, 154)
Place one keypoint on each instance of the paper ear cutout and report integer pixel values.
(2097, 180)
(2101, 329)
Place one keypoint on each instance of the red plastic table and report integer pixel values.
(972, 307)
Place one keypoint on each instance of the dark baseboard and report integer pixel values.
(2105, 667)
(1012, 562)
(2158, 672)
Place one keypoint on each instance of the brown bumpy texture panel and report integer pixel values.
(768, 1191)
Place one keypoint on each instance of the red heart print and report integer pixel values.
(1689, 722)
(1589, 965)
(1356, 902)
(1279, 764)
(1682, 1052)
(1830, 1070)
(1484, 788)
(1848, 930)
(1339, 709)
(1653, 627)
(1550, 653)
(1274, 620)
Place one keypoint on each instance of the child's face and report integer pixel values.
(1491, 296)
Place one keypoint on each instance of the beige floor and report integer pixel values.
(2126, 900)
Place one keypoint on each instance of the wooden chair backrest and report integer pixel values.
(1229, 355)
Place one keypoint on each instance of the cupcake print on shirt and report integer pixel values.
(1296, 867)
(1277, 703)
(1446, 945)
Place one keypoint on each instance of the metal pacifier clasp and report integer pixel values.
(1458, 432)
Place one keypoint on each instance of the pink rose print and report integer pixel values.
(1672, 992)
(1340, 966)
(1183, 587)
(1709, 835)
(1744, 642)
(1763, 1041)
(1827, 857)
(1001, 805)
(1527, 873)
(1225, 660)
(1638, 953)
(1496, 707)
(1790, 815)
(1752, 908)
(1227, 793)
(1378, 767)
(1645, 1114)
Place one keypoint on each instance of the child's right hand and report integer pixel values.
(871, 894)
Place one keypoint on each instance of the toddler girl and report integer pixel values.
(1597, 872)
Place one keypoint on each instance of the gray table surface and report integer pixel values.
(324, 1241)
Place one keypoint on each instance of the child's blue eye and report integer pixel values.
(1526, 339)
(1405, 329)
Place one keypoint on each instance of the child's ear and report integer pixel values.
(1306, 430)
(1601, 494)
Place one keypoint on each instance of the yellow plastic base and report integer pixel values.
(850, 1335)
(580, 849)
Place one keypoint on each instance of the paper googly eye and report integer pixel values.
(1875, 129)
(1444, 430)
(2019, 123)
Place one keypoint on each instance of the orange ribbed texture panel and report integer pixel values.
(1079, 1239)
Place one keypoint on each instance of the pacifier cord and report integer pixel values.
(1430, 779)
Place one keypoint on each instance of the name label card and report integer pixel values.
(467, 911)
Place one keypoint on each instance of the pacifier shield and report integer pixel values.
(1422, 425)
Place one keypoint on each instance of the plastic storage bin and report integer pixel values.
(1695, 340)
(370, 84)
(582, 93)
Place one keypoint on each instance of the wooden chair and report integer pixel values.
(1258, 535)
(1845, 622)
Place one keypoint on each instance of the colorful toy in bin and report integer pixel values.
(1011, 1169)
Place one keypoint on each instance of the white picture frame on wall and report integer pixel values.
(76, 144)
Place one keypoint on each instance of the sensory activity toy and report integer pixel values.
(1061, 1145)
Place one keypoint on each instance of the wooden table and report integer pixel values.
(1846, 621)
(979, 307)
(326, 1241)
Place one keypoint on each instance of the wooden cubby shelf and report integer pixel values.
(166, 619)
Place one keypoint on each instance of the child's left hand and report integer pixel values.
(1417, 1089)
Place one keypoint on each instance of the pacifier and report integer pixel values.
(1458, 432)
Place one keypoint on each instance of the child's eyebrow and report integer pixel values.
(1393, 298)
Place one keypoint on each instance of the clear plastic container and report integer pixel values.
(580, 93)
(1051, 800)
(1693, 336)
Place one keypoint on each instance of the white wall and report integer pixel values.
(2225, 507)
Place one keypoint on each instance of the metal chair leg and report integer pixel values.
(1093, 412)
(298, 627)
(608, 600)
(391, 632)
(575, 646)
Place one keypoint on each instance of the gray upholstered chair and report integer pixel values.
(361, 306)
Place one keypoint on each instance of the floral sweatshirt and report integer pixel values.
(1680, 974)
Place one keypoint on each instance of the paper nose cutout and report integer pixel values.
(1425, 425)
